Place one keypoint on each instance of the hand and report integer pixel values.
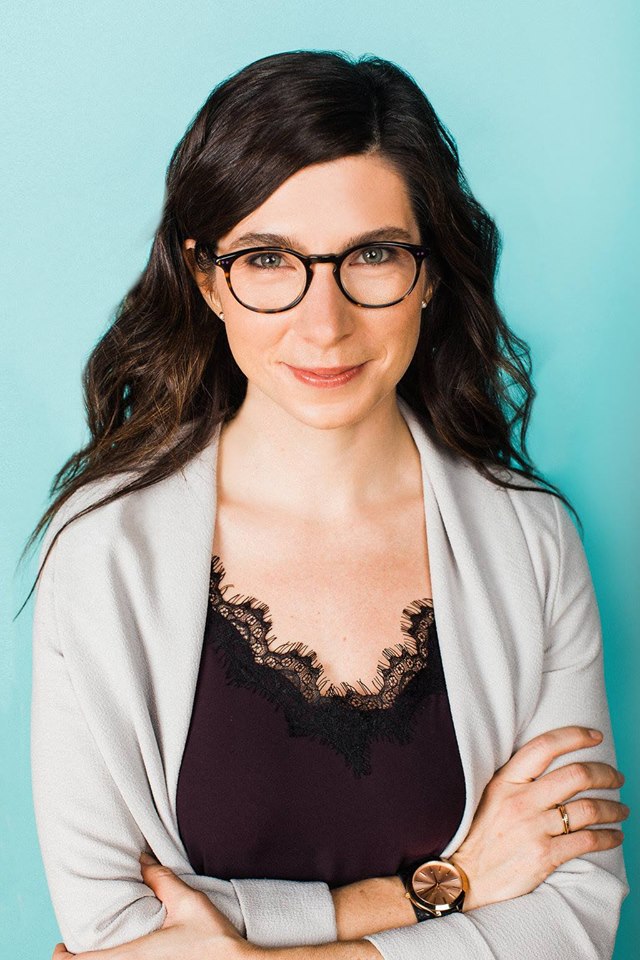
(193, 928)
(517, 838)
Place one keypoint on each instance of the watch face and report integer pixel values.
(437, 883)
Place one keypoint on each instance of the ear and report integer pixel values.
(429, 288)
(205, 282)
(427, 293)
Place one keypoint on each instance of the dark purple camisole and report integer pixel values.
(281, 780)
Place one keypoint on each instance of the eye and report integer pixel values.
(374, 255)
(265, 256)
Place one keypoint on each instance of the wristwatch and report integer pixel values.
(435, 888)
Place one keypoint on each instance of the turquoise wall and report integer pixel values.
(541, 99)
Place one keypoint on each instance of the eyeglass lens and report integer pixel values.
(372, 275)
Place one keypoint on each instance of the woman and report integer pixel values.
(265, 520)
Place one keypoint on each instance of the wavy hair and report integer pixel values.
(162, 377)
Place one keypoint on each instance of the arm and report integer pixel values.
(366, 906)
(89, 838)
(353, 950)
(574, 913)
(370, 906)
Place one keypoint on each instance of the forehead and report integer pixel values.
(330, 206)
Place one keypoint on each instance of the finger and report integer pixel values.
(60, 952)
(533, 758)
(584, 812)
(177, 896)
(567, 846)
(110, 953)
(561, 784)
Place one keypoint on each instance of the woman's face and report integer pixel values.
(320, 209)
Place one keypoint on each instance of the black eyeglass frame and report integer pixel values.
(419, 252)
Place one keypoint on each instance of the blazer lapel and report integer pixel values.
(182, 512)
(486, 608)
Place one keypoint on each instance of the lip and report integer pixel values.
(325, 371)
(326, 380)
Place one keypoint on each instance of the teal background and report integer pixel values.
(541, 100)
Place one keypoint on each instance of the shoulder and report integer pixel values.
(125, 515)
(85, 516)
(539, 510)
(526, 503)
(542, 521)
(83, 521)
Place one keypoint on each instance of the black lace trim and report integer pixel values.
(292, 677)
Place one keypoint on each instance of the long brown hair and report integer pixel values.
(162, 377)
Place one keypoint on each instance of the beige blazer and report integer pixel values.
(117, 633)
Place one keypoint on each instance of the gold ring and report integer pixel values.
(565, 817)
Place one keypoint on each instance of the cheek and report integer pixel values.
(402, 339)
(240, 342)
(250, 344)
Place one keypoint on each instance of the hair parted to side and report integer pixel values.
(162, 377)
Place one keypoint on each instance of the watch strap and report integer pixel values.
(405, 873)
(420, 913)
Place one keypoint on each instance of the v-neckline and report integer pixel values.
(418, 617)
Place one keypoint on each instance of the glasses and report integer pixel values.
(273, 279)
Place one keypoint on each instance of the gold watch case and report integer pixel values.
(438, 886)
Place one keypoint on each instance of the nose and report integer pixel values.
(324, 313)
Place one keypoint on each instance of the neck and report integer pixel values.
(325, 472)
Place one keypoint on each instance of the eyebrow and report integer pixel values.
(253, 239)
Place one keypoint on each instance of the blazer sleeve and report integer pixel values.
(574, 913)
(90, 842)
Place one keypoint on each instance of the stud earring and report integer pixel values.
(424, 303)
(221, 315)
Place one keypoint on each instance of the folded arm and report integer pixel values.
(575, 912)
(90, 842)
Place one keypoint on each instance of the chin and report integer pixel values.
(323, 414)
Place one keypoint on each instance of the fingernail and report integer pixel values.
(147, 858)
(595, 734)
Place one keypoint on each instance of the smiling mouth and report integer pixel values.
(325, 371)
(318, 377)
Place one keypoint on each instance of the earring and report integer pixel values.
(221, 315)
(424, 303)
